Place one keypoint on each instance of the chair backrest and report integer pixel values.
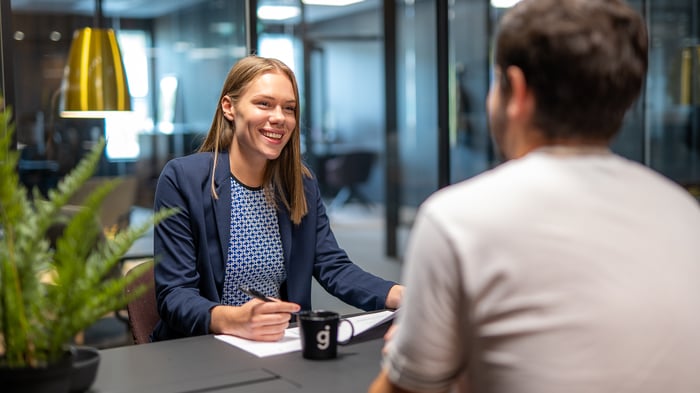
(349, 168)
(116, 207)
(143, 312)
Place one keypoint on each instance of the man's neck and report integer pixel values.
(575, 149)
(534, 140)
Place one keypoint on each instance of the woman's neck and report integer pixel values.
(245, 170)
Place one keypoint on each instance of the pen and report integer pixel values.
(254, 293)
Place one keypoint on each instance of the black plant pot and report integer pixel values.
(53, 378)
(74, 373)
(86, 360)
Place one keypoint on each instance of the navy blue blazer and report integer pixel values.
(191, 248)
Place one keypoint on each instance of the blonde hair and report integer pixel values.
(283, 178)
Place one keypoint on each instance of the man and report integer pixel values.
(566, 268)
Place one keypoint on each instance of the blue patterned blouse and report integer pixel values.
(255, 250)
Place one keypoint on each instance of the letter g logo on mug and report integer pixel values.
(323, 337)
(319, 333)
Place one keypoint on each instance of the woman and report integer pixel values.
(251, 214)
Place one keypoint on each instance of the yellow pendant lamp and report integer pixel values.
(94, 80)
(689, 81)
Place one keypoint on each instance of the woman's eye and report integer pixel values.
(290, 109)
(264, 104)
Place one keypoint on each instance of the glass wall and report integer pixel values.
(176, 55)
(672, 102)
(417, 100)
(469, 43)
(661, 130)
(179, 51)
(346, 97)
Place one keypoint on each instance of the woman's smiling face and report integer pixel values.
(264, 117)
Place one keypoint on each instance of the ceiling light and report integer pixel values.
(94, 79)
(503, 3)
(278, 12)
(336, 3)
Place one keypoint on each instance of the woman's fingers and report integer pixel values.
(255, 320)
(268, 332)
(275, 307)
(268, 320)
(261, 318)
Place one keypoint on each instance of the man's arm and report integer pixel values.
(382, 384)
(425, 339)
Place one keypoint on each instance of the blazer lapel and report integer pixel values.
(286, 235)
(222, 206)
(285, 225)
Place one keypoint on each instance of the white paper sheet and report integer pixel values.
(291, 341)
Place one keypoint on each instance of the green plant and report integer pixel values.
(50, 294)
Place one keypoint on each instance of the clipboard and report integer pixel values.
(370, 326)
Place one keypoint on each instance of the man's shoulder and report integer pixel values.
(485, 198)
(483, 184)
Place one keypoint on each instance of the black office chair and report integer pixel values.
(347, 172)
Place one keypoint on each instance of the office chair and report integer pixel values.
(347, 172)
(143, 313)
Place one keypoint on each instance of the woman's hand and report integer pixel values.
(393, 299)
(255, 320)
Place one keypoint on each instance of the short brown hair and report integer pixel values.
(585, 61)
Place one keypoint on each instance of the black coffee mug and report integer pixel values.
(319, 333)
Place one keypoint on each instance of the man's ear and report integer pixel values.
(521, 102)
(227, 108)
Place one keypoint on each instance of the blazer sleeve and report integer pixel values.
(334, 270)
(183, 296)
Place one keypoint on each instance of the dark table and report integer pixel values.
(205, 364)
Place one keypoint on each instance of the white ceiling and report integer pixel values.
(110, 8)
(155, 8)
